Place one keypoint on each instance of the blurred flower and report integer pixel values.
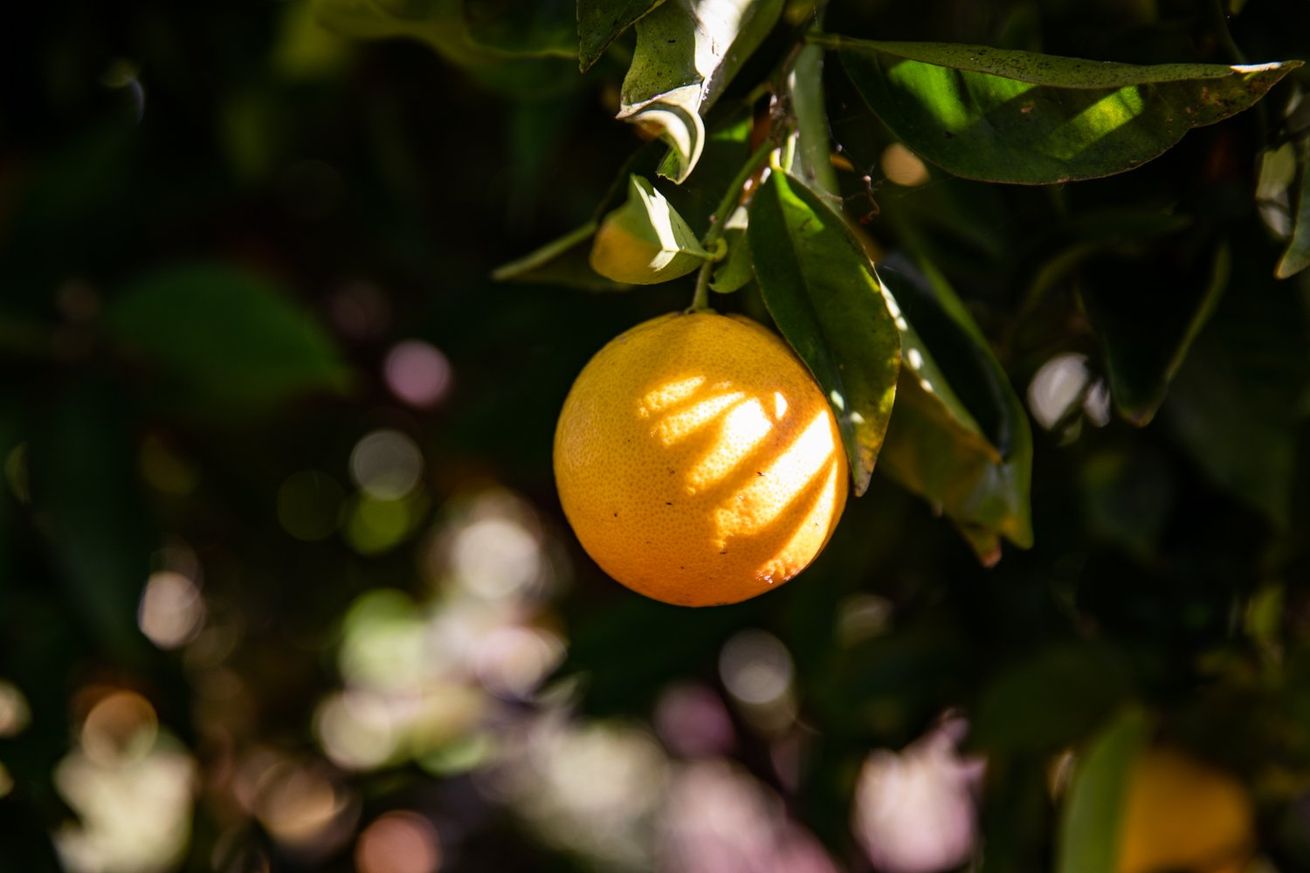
(692, 722)
(757, 671)
(1063, 382)
(386, 464)
(398, 842)
(417, 373)
(14, 711)
(915, 811)
(172, 611)
(719, 819)
(304, 809)
(131, 786)
(590, 788)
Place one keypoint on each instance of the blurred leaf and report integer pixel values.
(1046, 702)
(821, 290)
(83, 465)
(1094, 805)
(1239, 400)
(225, 339)
(600, 22)
(442, 26)
(645, 241)
(1297, 256)
(687, 53)
(1146, 309)
(539, 28)
(735, 270)
(1127, 497)
(971, 460)
(565, 261)
(1001, 115)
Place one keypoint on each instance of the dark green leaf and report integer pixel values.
(1147, 308)
(1238, 402)
(1044, 703)
(83, 464)
(1297, 256)
(223, 339)
(687, 53)
(600, 22)
(441, 24)
(565, 261)
(1011, 116)
(540, 28)
(1093, 809)
(971, 460)
(821, 290)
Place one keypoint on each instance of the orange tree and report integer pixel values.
(293, 300)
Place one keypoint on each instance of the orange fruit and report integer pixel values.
(697, 460)
(1183, 815)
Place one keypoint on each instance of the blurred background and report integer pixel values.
(284, 583)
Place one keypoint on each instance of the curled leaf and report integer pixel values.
(687, 52)
(645, 241)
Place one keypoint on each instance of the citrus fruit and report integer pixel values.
(698, 462)
(1183, 815)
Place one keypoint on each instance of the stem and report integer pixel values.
(731, 199)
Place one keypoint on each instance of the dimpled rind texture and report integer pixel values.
(698, 462)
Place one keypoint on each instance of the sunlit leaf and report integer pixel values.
(687, 52)
(600, 22)
(1011, 116)
(821, 290)
(1147, 308)
(1297, 255)
(221, 339)
(736, 269)
(971, 460)
(645, 241)
(1092, 818)
(539, 28)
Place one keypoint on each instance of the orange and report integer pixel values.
(1183, 815)
(698, 462)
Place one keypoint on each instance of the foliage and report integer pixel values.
(293, 296)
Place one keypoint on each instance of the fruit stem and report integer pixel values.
(731, 200)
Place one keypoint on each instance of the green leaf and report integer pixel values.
(600, 22)
(1001, 115)
(645, 241)
(687, 53)
(1045, 702)
(1297, 255)
(735, 270)
(565, 261)
(821, 290)
(1147, 309)
(83, 465)
(972, 460)
(441, 25)
(1090, 826)
(1238, 403)
(542, 28)
(224, 340)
